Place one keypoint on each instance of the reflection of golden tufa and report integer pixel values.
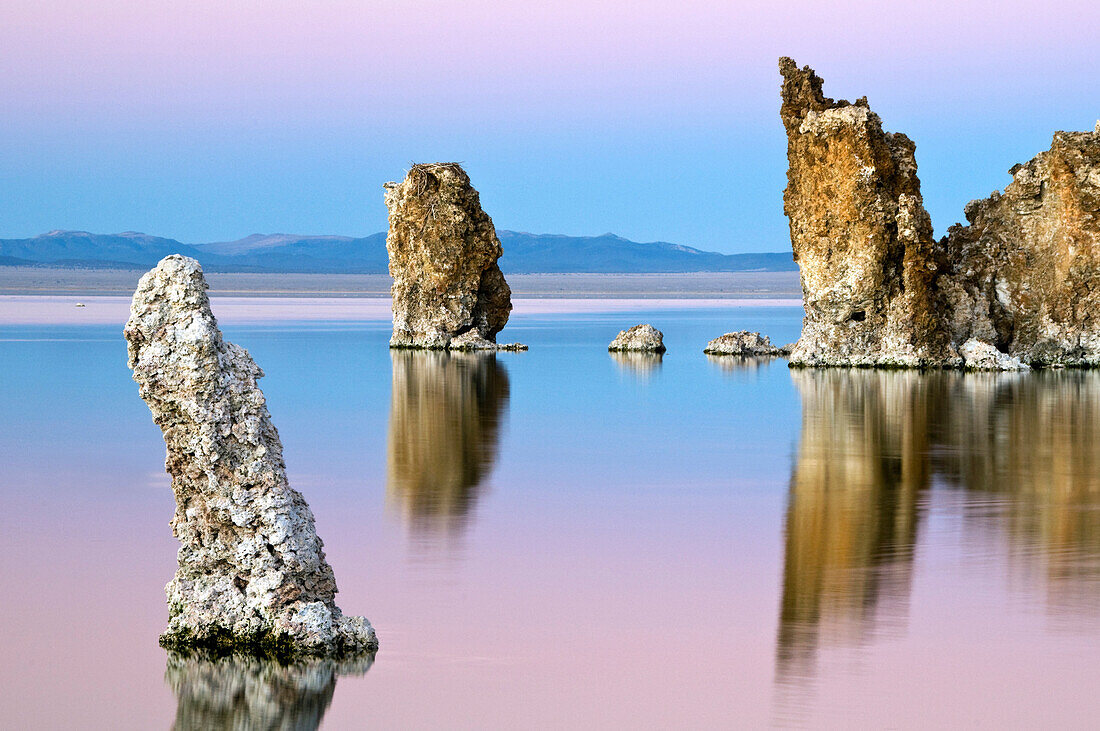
(852, 512)
(237, 692)
(872, 443)
(445, 417)
(1035, 441)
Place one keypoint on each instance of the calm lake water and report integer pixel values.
(562, 538)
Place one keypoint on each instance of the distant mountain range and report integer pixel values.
(524, 253)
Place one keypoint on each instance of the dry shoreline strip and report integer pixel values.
(704, 285)
(114, 309)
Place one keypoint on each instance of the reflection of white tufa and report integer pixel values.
(237, 692)
(252, 574)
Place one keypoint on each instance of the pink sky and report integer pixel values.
(386, 57)
(207, 120)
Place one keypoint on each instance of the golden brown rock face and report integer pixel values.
(854, 505)
(861, 236)
(443, 252)
(1025, 273)
(1020, 285)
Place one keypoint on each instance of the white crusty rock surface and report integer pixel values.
(471, 340)
(979, 355)
(448, 291)
(252, 574)
(641, 338)
(743, 343)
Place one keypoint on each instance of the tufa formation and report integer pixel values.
(745, 344)
(861, 236)
(641, 338)
(1021, 279)
(252, 575)
(448, 291)
(1024, 275)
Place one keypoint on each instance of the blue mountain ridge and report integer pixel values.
(524, 253)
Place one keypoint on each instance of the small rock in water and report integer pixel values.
(981, 356)
(79, 304)
(642, 338)
(743, 343)
(471, 340)
(252, 575)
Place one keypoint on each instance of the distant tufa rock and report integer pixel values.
(861, 236)
(743, 343)
(252, 574)
(447, 288)
(641, 338)
(1023, 277)
(1025, 274)
(471, 340)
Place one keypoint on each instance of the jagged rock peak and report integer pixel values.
(252, 575)
(861, 236)
(1025, 272)
(443, 252)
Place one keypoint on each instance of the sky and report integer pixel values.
(656, 120)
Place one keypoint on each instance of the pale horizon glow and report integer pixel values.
(206, 121)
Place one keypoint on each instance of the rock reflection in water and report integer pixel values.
(874, 445)
(243, 693)
(445, 417)
(639, 364)
(1034, 442)
(852, 514)
(740, 364)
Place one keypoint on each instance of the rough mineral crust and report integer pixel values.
(471, 340)
(1022, 278)
(447, 288)
(861, 236)
(642, 338)
(981, 356)
(252, 575)
(743, 343)
(1025, 272)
